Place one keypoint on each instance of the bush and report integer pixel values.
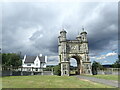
(57, 70)
(94, 70)
(95, 66)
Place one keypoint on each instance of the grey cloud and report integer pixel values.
(34, 27)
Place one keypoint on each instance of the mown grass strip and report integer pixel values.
(48, 82)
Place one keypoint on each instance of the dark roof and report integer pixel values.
(31, 59)
(42, 59)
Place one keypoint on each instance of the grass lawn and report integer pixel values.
(108, 77)
(0, 83)
(48, 82)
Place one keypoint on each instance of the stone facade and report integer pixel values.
(77, 49)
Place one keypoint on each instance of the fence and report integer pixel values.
(112, 71)
(23, 71)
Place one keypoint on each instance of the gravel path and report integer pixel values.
(102, 81)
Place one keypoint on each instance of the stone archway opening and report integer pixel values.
(75, 65)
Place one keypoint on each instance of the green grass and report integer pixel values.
(107, 77)
(0, 83)
(48, 82)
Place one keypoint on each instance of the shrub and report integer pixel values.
(57, 70)
(95, 66)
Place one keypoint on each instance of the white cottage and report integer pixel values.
(34, 61)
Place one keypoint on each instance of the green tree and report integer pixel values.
(57, 69)
(117, 63)
(49, 68)
(95, 67)
(9, 59)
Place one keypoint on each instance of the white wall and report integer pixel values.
(37, 62)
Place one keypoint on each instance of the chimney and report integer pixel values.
(40, 55)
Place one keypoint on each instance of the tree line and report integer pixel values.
(97, 65)
(11, 59)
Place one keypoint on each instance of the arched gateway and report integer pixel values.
(77, 49)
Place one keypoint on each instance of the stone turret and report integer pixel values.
(63, 35)
(85, 45)
(84, 35)
(62, 43)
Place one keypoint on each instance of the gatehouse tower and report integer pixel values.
(77, 49)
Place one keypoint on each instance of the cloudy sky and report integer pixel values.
(33, 28)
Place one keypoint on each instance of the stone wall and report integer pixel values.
(112, 71)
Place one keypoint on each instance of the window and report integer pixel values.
(83, 38)
(79, 47)
(36, 64)
(64, 67)
(29, 64)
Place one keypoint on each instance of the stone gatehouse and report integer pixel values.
(77, 49)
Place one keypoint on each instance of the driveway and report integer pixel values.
(102, 81)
